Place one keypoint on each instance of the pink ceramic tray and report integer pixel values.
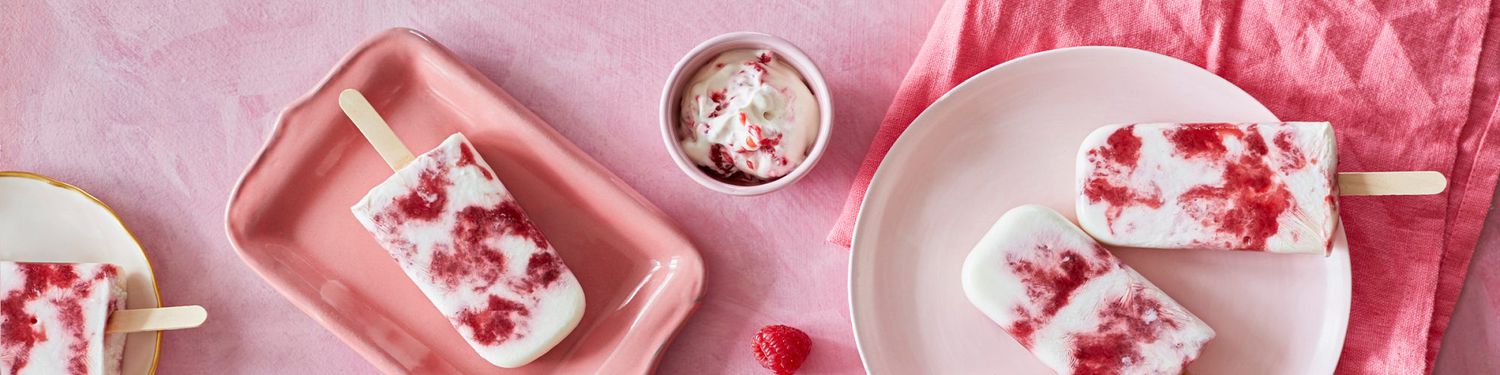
(289, 219)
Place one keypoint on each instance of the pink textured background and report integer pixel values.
(157, 107)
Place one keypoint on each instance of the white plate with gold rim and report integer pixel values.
(45, 220)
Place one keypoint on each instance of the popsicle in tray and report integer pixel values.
(461, 237)
(53, 318)
(1073, 304)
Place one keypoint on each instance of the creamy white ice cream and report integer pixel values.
(747, 115)
(1261, 187)
(1073, 304)
(54, 316)
(464, 240)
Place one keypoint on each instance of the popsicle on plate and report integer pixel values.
(53, 315)
(462, 238)
(1247, 186)
(1073, 304)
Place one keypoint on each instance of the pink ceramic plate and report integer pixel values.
(289, 219)
(1008, 137)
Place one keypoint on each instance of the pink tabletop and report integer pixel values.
(157, 108)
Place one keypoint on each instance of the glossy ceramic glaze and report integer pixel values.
(671, 99)
(289, 219)
(1008, 137)
(45, 220)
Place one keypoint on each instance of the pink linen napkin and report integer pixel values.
(1407, 85)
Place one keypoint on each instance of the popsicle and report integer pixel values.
(1073, 304)
(1239, 186)
(462, 238)
(53, 318)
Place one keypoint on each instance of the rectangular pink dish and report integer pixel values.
(289, 219)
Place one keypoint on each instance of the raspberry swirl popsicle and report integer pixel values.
(1248, 186)
(461, 237)
(53, 315)
(1073, 304)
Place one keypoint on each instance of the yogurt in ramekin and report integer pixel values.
(745, 114)
(747, 117)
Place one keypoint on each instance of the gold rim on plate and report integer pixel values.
(155, 352)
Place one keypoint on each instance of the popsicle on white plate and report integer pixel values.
(1239, 186)
(1073, 304)
(53, 317)
(464, 240)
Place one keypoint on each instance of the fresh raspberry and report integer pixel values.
(780, 348)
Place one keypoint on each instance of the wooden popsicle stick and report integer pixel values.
(376, 131)
(157, 319)
(1391, 183)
